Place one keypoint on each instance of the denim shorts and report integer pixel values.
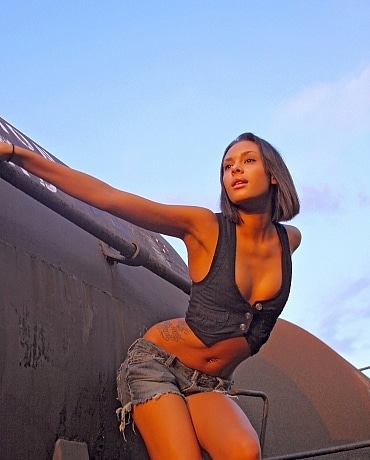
(149, 372)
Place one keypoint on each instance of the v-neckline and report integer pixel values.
(274, 297)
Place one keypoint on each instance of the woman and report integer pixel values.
(174, 381)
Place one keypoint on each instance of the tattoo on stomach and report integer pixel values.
(173, 330)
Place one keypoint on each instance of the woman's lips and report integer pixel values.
(238, 182)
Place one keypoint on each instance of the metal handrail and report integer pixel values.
(324, 451)
(129, 250)
(265, 409)
(364, 368)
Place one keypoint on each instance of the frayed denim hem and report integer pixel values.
(124, 417)
(124, 413)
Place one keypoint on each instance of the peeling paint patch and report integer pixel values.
(32, 338)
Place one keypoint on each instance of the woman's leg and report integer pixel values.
(167, 429)
(222, 428)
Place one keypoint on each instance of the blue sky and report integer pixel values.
(147, 94)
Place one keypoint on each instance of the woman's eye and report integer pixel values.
(249, 160)
(226, 167)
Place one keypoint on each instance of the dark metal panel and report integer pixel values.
(66, 320)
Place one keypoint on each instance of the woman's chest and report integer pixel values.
(257, 276)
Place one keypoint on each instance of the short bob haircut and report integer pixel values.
(285, 201)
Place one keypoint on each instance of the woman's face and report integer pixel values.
(244, 176)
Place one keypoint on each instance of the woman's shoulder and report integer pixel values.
(294, 236)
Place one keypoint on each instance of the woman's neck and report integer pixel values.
(255, 225)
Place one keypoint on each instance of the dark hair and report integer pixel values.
(285, 201)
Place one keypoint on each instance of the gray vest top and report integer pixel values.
(217, 310)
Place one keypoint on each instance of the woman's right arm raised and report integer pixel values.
(171, 220)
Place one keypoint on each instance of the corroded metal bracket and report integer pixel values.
(114, 256)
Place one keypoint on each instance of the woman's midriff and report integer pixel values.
(176, 338)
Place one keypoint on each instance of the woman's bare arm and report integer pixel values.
(173, 220)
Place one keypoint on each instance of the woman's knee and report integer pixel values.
(236, 448)
(244, 448)
(249, 450)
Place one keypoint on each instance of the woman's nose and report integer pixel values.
(237, 167)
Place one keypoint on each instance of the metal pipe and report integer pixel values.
(364, 368)
(325, 451)
(265, 409)
(18, 179)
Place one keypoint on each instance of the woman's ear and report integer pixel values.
(273, 180)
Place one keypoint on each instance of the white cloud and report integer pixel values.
(319, 199)
(325, 130)
(342, 104)
(364, 198)
(345, 323)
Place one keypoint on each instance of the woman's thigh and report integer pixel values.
(167, 429)
(222, 428)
